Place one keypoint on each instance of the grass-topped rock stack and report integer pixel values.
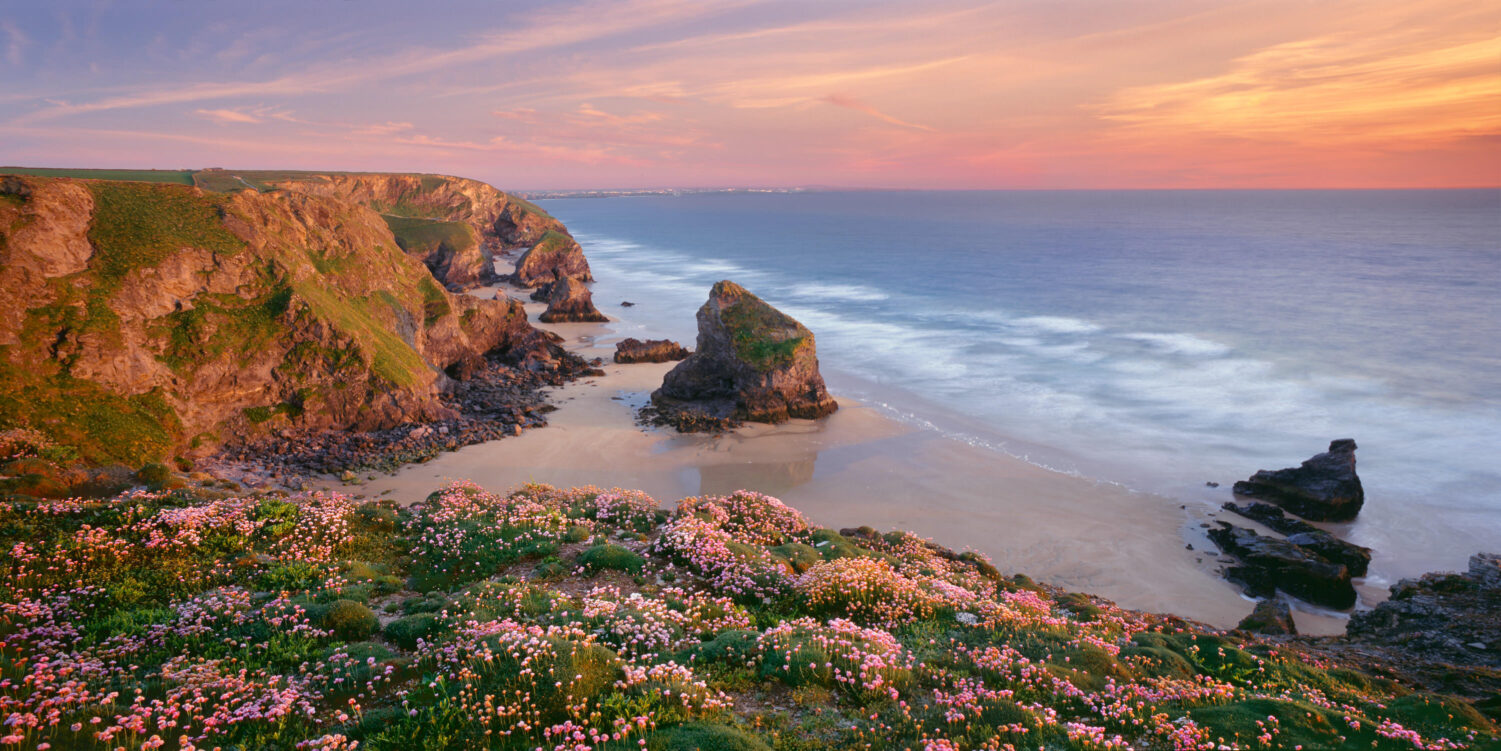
(592, 620)
(554, 257)
(753, 362)
(141, 320)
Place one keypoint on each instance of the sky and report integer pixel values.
(939, 94)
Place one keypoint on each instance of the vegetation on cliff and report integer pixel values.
(142, 319)
(590, 619)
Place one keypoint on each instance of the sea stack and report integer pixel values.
(753, 362)
(1324, 488)
(556, 256)
(569, 301)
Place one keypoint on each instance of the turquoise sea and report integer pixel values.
(1155, 339)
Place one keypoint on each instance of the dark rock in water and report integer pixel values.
(1305, 535)
(627, 304)
(555, 256)
(1270, 617)
(1443, 617)
(1270, 564)
(1211, 484)
(569, 301)
(1324, 488)
(753, 362)
(651, 350)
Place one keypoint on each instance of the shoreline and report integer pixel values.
(855, 467)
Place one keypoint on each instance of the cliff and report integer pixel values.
(138, 320)
(453, 224)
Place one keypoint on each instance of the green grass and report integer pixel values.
(139, 225)
(552, 242)
(217, 324)
(425, 236)
(105, 427)
(391, 358)
(181, 177)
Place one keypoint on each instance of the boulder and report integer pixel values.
(1270, 617)
(571, 302)
(556, 256)
(753, 362)
(1324, 488)
(651, 350)
(1305, 535)
(1270, 564)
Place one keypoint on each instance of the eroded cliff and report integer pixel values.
(138, 319)
(454, 225)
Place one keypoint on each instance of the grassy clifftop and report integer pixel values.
(591, 619)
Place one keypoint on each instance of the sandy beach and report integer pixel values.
(858, 467)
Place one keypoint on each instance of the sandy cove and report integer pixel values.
(857, 467)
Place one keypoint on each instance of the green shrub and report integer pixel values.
(611, 556)
(404, 632)
(350, 620)
(155, 474)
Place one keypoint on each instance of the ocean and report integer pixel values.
(1154, 339)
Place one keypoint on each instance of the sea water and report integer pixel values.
(1156, 339)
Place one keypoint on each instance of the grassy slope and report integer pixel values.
(425, 236)
(181, 177)
(503, 620)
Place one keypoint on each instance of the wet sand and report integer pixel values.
(858, 467)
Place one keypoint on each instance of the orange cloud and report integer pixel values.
(1398, 89)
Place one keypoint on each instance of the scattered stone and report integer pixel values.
(652, 350)
(1211, 484)
(569, 301)
(1324, 488)
(1440, 617)
(1305, 535)
(1270, 617)
(968, 619)
(627, 304)
(753, 362)
(1269, 564)
(502, 399)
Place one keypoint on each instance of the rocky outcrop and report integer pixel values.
(569, 301)
(752, 362)
(454, 225)
(1324, 488)
(141, 319)
(1269, 564)
(556, 256)
(1440, 617)
(1270, 617)
(1305, 535)
(652, 350)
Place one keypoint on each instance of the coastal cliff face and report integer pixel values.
(138, 320)
(753, 362)
(452, 224)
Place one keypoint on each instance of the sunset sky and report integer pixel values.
(646, 93)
